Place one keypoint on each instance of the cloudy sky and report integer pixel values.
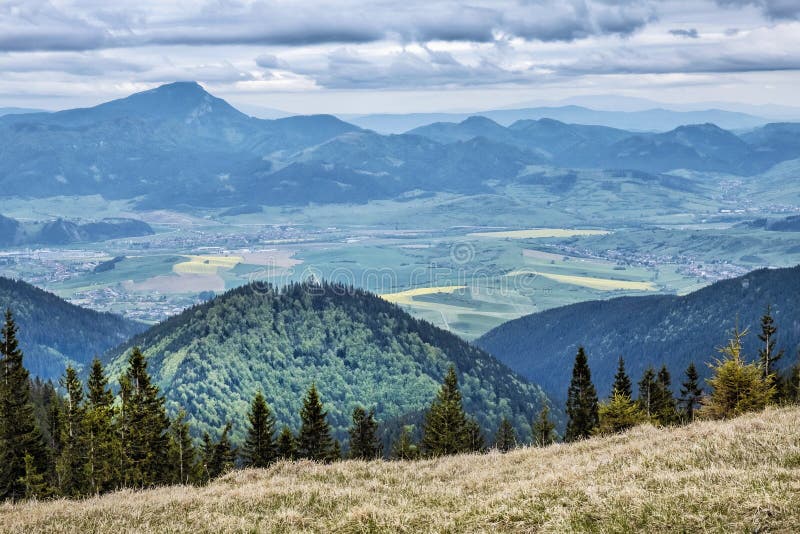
(398, 56)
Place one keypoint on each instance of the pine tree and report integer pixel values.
(183, 457)
(648, 393)
(260, 449)
(691, 393)
(287, 445)
(736, 386)
(335, 453)
(544, 430)
(446, 428)
(206, 457)
(475, 439)
(314, 441)
(35, 484)
(73, 456)
(404, 447)
(103, 448)
(666, 411)
(581, 401)
(364, 442)
(767, 354)
(506, 437)
(223, 456)
(618, 414)
(622, 383)
(144, 427)
(19, 433)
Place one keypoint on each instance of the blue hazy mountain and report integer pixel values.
(648, 330)
(64, 232)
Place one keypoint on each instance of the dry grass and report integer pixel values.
(206, 264)
(735, 476)
(538, 233)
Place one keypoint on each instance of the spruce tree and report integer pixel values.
(648, 393)
(335, 453)
(404, 447)
(223, 455)
(364, 442)
(183, 456)
(446, 429)
(622, 383)
(666, 412)
(581, 401)
(144, 427)
(287, 445)
(34, 482)
(736, 386)
(260, 449)
(618, 414)
(543, 429)
(691, 393)
(103, 448)
(73, 456)
(767, 354)
(314, 441)
(19, 433)
(505, 438)
(475, 439)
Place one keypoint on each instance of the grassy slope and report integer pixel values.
(735, 476)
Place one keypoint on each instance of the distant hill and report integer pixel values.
(212, 358)
(64, 232)
(650, 120)
(648, 330)
(54, 333)
(18, 111)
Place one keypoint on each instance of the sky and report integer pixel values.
(346, 56)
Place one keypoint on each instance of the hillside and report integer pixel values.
(709, 476)
(648, 330)
(54, 333)
(358, 348)
(63, 232)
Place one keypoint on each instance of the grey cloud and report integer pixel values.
(690, 33)
(271, 61)
(773, 9)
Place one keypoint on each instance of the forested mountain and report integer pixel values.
(177, 145)
(63, 232)
(358, 349)
(54, 333)
(649, 330)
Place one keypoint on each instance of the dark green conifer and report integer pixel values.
(666, 412)
(404, 447)
(364, 442)
(475, 439)
(767, 354)
(223, 456)
(446, 429)
(506, 437)
(582, 409)
(103, 448)
(648, 393)
(72, 461)
(183, 456)
(544, 430)
(314, 440)
(19, 433)
(260, 449)
(287, 445)
(622, 382)
(691, 393)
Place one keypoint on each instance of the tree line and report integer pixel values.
(85, 440)
(736, 386)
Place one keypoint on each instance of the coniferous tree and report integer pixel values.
(223, 455)
(103, 448)
(618, 414)
(145, 426)
(648, 393)
(506, 437)
(582, 409)
(736, 386)
(183, 456)
(260, 449)
(73, 456)
(53, 421)
(691, 393)
(767, 354)
(543, 429)
(336, 452)
(364, 442)
(446, 429)
(666, 412)
(622, 382)
(314, 441)
(404, 447)
(287, 445)
(475, 439)
(19, 433)
(206, 457)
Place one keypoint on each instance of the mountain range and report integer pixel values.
(63, 232)
(177, 145)
(54, 333)
(649, 330)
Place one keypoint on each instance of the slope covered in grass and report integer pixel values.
(741, 475)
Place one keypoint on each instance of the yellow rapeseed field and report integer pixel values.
(741, 475)
(602, 284)
(407, 296)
